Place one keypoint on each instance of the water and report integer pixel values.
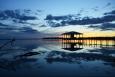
(57, 58)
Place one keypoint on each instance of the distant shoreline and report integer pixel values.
(23, 39)
(84, 38)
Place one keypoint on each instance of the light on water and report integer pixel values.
(62, 57)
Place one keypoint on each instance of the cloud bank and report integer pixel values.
(104, 21)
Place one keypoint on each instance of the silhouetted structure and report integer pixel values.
(72, 35)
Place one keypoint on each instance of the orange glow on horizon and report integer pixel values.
(96, 34)
(99, 34)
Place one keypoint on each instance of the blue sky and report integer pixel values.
(71, 12)
(57, 7)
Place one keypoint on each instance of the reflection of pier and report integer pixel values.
(73, 45)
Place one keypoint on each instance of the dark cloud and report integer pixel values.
(104, 26)
(110, 13)
(21, 28)
(57, 21)
(54, 24)
(108, 4)
(96, 8)
(1, 24)
(25, 18)
(39, 10)
(4, 27)
(43, 26)
(16, 15)
(50, 17)
(87, 20)
(28, 30)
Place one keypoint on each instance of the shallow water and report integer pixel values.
(57, 58)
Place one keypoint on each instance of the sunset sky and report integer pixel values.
(52, 17)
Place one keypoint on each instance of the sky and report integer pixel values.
(53, 17)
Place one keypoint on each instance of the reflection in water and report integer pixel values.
(62, 57)
(17, 54)
(13, 65)
(73, 45)
(58, 56)
(28, 54)
(11, 42)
